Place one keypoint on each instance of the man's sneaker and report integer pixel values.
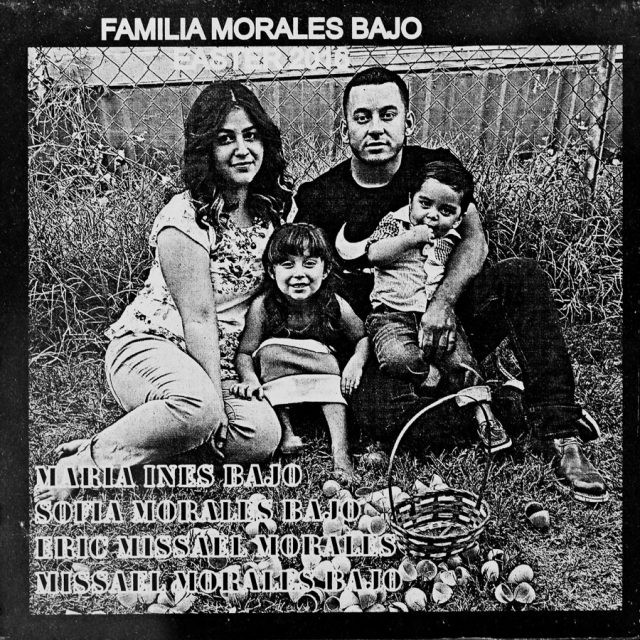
(574, 473)
(513, 383)
(493, 436)
(588, 428)
(507, 405)
(431, 380)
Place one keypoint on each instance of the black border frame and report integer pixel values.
(27, 23)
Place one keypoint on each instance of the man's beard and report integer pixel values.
(379, 161)
(372, 159)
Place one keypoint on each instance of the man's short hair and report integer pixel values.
(376, 75)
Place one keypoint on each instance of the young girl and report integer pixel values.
(294, 336)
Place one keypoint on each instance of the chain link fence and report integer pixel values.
(105, 131)
(492, 99)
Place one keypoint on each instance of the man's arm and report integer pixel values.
(465, 263)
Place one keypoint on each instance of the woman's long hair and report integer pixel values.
(270, 193)
(301, 239)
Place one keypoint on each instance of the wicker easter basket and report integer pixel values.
(442, 522)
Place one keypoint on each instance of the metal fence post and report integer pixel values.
(599, 112)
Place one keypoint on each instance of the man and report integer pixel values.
(511, 298)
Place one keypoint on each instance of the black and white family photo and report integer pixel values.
(380, 286)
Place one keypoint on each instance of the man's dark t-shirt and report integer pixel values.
(349, 214)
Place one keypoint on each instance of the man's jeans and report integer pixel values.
(509, 299)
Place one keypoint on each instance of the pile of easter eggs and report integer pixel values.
(422, 585)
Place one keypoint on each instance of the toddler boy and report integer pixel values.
(409, 251)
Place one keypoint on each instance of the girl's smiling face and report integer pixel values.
(238, 150)
(299, 277)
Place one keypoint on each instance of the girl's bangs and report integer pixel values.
(298, 241)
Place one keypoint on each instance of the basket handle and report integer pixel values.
(401, 435)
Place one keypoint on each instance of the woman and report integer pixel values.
(170, 360)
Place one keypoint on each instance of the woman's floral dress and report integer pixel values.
(235, 264)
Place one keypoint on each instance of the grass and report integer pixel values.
(577, 563)
(90, 214)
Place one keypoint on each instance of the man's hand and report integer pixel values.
(438, 329)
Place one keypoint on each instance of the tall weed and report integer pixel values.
(90, 211)
(543, 208)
